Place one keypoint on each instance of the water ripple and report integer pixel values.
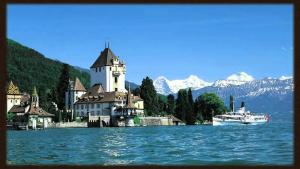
(271, 144)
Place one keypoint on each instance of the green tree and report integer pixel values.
(170, 104)
(190, 116)
(161, 106)
(62, 86)
(136, 91)
(148, 94)
(181, 104)
(207, 103)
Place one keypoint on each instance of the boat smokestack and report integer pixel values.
(231, 103)
(242, 104)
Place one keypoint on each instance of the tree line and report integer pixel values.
(183, 107)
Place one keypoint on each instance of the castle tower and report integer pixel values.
(108, 71)
(34, 98)
(13, 96)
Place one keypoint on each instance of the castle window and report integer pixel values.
(82, 106)
(92, 106)
(98, 113)
(98, 105)
(116, 89)
(96, 69)
(11, 101)
(110, 68)
(92, 113)
(116, 79)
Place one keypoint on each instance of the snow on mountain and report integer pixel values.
(234, 79)
(165, 86)
(268, 94)
(242, 79)
(161, 85)
(285, 77)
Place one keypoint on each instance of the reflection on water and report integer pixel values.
(270, 144)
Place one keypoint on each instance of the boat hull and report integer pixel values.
(221, 122)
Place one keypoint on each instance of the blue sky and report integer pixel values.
(210, 41)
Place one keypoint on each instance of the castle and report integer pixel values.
(107, 100)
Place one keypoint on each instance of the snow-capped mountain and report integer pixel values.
(234, 79)
(267, 94)
(166, 86)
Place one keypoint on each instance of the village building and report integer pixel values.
(75, 90)
(107, 100)
(13, 96)
(21, 111)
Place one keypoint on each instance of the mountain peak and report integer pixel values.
(193, 77)
(161, 78)
(241, 76)
(165, 86)
(285, 77)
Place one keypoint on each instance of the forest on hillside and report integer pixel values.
(28, 68)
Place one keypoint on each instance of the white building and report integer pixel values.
(25, 111)
(107, 96)
(13, 96)
(75, 90)
(109, 71)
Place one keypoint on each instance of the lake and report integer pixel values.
(267, 144)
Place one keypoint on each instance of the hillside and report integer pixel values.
(27, 68)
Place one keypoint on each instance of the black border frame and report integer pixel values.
(4, 77)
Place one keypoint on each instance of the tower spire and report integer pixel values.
(35, 97)
(129, 101)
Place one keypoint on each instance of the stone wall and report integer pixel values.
(67, 125)
(156, 121)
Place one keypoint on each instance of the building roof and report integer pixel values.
(17, 109)
(129, 103)
(137, 98)
(78, 85)
(12, 89)
(102, 97)
(174, 118)
(95, 90)
(38, 111)
(25, 98)
(105, 59)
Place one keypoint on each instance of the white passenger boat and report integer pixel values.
(240, 117)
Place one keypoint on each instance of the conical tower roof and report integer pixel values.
(105, 59)
(78, 85)
(12, 89)
(34, 92)
(129, 100)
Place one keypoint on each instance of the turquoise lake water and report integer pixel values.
(268, 144)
